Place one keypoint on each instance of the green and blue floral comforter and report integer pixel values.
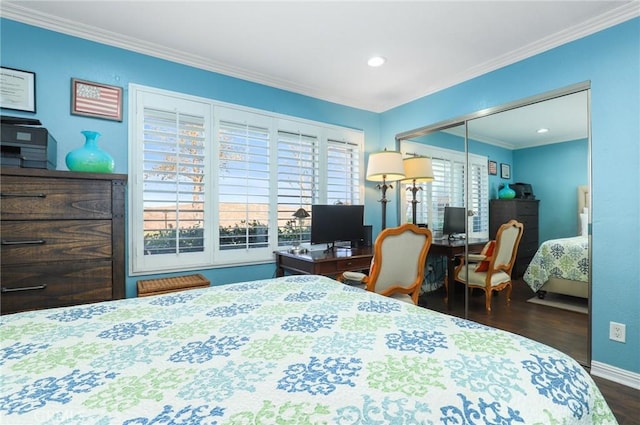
(566, 258)
(292, 350)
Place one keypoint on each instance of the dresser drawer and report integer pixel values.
(37, 286)
(530, 223)
(354, 264)
(41, 198)
(527, 208)
(337, 267)
(55, 240)
(530, 234)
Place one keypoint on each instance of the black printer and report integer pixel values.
(523, 190)
(27, 146)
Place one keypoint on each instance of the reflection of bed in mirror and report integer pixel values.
(561, 266)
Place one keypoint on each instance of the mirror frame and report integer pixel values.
(464, 120)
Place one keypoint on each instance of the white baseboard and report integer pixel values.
(615, 374)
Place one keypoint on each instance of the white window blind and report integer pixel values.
(243, 185)
(173, 187)
(298, 182)
(448, 189)
(479, 197)
(343, 172)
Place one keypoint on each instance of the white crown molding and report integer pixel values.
(565, 36)
(25, 15)
(87, 32)
(613, 17)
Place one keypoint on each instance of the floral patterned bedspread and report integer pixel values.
(566, 258)
(292, 350)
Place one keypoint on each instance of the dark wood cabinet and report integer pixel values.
(526, 212)
(62, 238)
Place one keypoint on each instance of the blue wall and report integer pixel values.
(609, 59)
(500, 156)
(554, 171)
(56, 58)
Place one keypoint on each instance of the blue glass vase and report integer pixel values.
(90, 158)
(506, 192)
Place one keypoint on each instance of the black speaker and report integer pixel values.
(366, 237)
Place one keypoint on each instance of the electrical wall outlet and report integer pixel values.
(617, 332)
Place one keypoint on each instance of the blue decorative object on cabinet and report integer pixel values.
(506, 192)
(90, 158)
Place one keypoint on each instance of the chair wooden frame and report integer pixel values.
(412, 284)
(498, 275)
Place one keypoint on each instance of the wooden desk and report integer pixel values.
(330, 263)
(450, 249)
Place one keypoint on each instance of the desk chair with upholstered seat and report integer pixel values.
(491, 270)
(397, 267)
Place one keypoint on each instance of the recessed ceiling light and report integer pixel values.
(376, 61)
(543, 130)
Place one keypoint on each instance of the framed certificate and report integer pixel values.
(18, 90)
(505, 171)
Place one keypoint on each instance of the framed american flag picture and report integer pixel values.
(96, 100)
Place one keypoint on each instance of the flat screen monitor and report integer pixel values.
(455, 221)
(336, 223)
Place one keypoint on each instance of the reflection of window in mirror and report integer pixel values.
(448, 188)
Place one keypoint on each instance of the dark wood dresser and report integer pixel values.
(62, 236)
(526, 212)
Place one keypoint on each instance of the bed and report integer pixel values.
(291, 350)
(561, 266)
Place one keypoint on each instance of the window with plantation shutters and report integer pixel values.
(214, 184)
(448, 189)
(171, 165)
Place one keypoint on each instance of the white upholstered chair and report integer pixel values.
(397, 267)
(491, 271)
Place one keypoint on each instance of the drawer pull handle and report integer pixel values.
(26, 288)
(23, 195)
(31, 242)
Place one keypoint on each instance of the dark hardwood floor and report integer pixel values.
(564, 330)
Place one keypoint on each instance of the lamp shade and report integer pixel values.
(385, 165)
(301, 213)
(418, 168)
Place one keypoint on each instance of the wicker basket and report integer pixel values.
(171, 284)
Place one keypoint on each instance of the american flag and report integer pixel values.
(94, 99)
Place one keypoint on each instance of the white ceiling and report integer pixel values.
(320, 48)
(565, 117)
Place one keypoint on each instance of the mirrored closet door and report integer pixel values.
(541, 146)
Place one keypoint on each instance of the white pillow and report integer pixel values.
(584, 224)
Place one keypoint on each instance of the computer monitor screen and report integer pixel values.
(455, 221)
(333, 223)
